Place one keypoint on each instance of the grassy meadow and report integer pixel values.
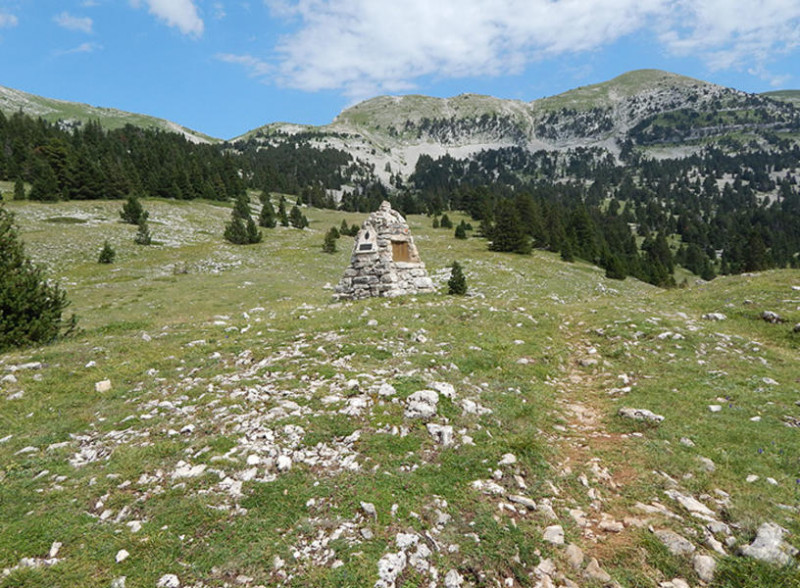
(246, 436)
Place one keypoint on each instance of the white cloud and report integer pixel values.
(366, 46)
(82, 48)
(8, 20)
(74, 23)
(176, 13)
(254, 66)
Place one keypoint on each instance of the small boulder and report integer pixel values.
(676, 544)
(554, 534)
(770, 547)
(714, 316)
(422, 404)
(771, 317)
(168, 581)
(704, 566)
(102, 386)
(640, 414)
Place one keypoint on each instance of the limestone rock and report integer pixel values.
(442, 434)
(102, 386)
(574, 556)
(704, 566)
(422, 404)
(640, 414)
(714, 316)
(554, 534)
(523, 500)
(771, 317)
(390, 566)
(168, 581)
(453, 579)
(770, 547)
(676, 544)
(593, 571)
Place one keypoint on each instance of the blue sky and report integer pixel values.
(224, 67)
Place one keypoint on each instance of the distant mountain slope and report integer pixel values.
(791, 96)
(76, 113)
(648, 109)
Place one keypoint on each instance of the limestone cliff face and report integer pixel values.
(385, 261)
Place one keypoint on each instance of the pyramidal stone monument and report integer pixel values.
(385, 261)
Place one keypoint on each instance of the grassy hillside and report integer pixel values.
(790, 96)
(253, 432)
(52, 110)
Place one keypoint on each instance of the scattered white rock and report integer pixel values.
(168, 581)
(771, 317)
(770, 547)
(369, 509)
(690, 503)
(769, 382)
(488, 487)
(122, 555)
(707, 464)
(386, 389)
(523, 500)
(390, 566)
(640, 414)
(422, 404)
(284, 463)
(508, 459)
(704, 566)
(714, 316)
(453, 579)
(442, 434)
(676, 544)
(574, 555)
(714, 407)
(686, 442)
(102, 386)
(554, 534)
(593, 571)
(751, 478)
(445, 389)
(185, 470)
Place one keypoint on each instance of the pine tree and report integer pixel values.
(436, 222)
(30, 307)
(461, 231)
(445, 222)
(107, 254)
(329, 245)
(457, 284)
(242, 229)
(132, 211)
(19, 189)
(143, 236)
(297, 219)
(507, 233)
(267, 217)
(566, 252)
(282, 216)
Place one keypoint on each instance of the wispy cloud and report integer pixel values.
(255, 67)
(176, 13)
(74, 23)
(8, 20)
(361, 47)
(82, 48)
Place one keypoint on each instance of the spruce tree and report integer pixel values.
(329, 244)
(132, 211)
(445, 222)
(242, 229)
(282, 216)
(143, 236)
(507, 233)
(457, 284)
(297, 219)
(267, 217)
(107, 254)
(461, 231)
(30, 307)
(19, 189)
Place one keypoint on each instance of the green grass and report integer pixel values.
(198, 332)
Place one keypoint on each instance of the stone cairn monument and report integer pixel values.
(385, 261)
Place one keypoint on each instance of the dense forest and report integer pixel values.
(732, 207)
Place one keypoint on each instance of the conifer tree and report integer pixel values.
(297, 219)
(242, 229)
(132, 211)
(461, 231)
(30, 307)
(436, 222)
(143, 236)
(107, 254)
(266, 218)
(282, 216)
(19, 189)
(329, 245)
(507, 233)
(457, 284)
(445, 222)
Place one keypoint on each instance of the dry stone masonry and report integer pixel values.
(385, 261)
